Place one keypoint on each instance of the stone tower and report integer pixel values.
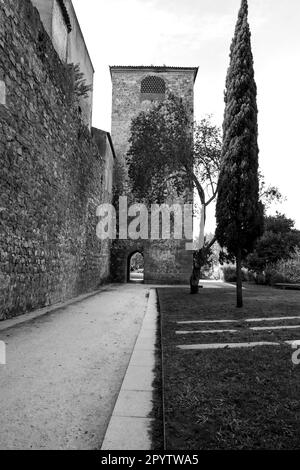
(133, 87)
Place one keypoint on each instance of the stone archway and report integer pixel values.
(136, 267)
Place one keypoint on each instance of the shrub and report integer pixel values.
(259, 278)
(284, 271)
(277, 243)
(229, 274)
(253, 277)
(273, 276)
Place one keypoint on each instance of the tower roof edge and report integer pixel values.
(154, 68)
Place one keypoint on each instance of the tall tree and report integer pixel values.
(239, 212)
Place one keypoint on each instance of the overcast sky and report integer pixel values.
(199, 33)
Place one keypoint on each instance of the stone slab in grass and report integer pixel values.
(281, 327)
(246, 320)
(205, 321)
(205, 347)
(255, 328)
(271, 319)
(205, 332)
(295, 342)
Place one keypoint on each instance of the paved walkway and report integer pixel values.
(65, 369)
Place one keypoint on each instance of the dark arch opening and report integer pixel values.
(135, 268)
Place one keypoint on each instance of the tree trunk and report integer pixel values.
(200, 259)
(195, 278)
(196, 274)
(239, 282)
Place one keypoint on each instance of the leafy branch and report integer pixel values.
(81, 89)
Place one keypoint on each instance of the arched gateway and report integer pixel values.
(135, 267)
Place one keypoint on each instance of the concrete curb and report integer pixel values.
(130, 424)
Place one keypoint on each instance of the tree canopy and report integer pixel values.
(164, 149)
(279, 241)
(160, 151)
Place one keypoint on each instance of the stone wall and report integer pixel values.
(165, 261)
(53, 174)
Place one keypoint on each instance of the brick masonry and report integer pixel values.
(166, 262)
(53, 175)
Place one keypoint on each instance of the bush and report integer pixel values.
(284, 271)
(259, 278)
(255, 277)
(273, 276)
(229, 274)
(278, 242)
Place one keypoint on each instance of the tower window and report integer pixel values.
(153, 85)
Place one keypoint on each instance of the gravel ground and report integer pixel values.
(64, 371)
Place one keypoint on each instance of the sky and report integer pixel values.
(199, 33)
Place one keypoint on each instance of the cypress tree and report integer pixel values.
(239, 212)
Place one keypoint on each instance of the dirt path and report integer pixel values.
(64, 371)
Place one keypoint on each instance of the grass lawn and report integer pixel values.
(230, 398)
